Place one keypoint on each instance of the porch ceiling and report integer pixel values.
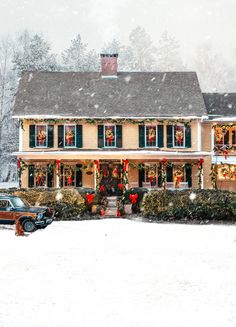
(145, 154)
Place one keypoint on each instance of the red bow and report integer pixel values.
(200, 162)
(18, 163)
(164, 161)
(133, 198)
(58, 163)
(102, 188)
(89, 198)
(118, 213)
(225, 153)
(120, 186)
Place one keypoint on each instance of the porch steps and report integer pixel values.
(111, 208)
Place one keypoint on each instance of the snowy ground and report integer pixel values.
(118, 273)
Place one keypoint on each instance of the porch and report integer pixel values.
(111, 176)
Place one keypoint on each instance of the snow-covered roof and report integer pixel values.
(220, 105)
(83, 94)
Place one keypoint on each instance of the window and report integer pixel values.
(222, 138)
(178, 135)
(69, 136)
(110, 136)
(151, 174)
(4, 204)
(150, 136)
(40, 175)
(233, 136)
(41, 138)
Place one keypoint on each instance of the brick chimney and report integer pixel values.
(109, 65)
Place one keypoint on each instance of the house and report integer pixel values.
(110, 130)
(221, 109)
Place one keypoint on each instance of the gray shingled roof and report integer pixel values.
(133, 94)
(220, 104)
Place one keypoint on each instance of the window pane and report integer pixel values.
(151, 133)
(69, 136)
(110, 136)
(40, 176)
(179, 135)
(151, 174)
(69, 176)
(41, 136)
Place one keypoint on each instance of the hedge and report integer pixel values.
(190, 205)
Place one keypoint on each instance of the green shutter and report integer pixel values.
(169, 173)
(119, 136)
(79, 136)
(31, 176)
(50, 136)
(32, 136)
(188, 136)
(78, 176)
(188, 174)
(61, 176)
(159, 176)
(169, 129)
(100, 136)
(141, 136)
(60, 136)
(50, 178)
(160, 136)
(141, 177)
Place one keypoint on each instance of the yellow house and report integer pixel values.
(112, 130)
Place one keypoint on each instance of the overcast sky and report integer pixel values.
(190, 21)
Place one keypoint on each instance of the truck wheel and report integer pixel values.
(28, 226)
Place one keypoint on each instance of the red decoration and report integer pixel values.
(120, 186)
(41, 136)
(89, 198)
(58, 162)
(164, 161)
(18, 163)
(69, 137)
(200, 162)
(104, 172)
(102, 212)
(151, 134)
(133, 198)
(95, 164)
(69, 180)
(125, 165)
(102, 188)
(118, 213)
(109, 135)
(115, 173)
(225, 153)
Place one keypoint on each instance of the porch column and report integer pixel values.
(96, 173)
(58, 168)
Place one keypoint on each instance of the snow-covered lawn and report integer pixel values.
(118, 273)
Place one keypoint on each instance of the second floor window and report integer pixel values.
(41, 138)
(69, 137)
(110, 135)
(179, 136)
(223, 138)
(151, 136)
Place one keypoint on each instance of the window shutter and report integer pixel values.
(188, 174)
(78, 176)
(79, 136)
(141, 177)
(141, 136)
(32, 136)
(159, 181)
(61, 177)
(119, 136)
(31, 176)
(188, 136)
(160, 136)
(169, 173)
(60, 136)
(100, 136)
(50, 178)
(50, 136)
(169, 129)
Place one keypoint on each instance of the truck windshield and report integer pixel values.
(19, 203)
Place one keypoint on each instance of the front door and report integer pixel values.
(111, 172)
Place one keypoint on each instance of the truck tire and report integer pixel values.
(28, 226)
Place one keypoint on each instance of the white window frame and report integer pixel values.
(39, 146)
(145, 137)
(173, 136)
(64, 137)
(104, 136)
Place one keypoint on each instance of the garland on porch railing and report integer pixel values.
(106, 120)
(213, 175)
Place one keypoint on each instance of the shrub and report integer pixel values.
(140, 191)
(189, 205)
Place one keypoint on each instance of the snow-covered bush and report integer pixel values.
(189, 205)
